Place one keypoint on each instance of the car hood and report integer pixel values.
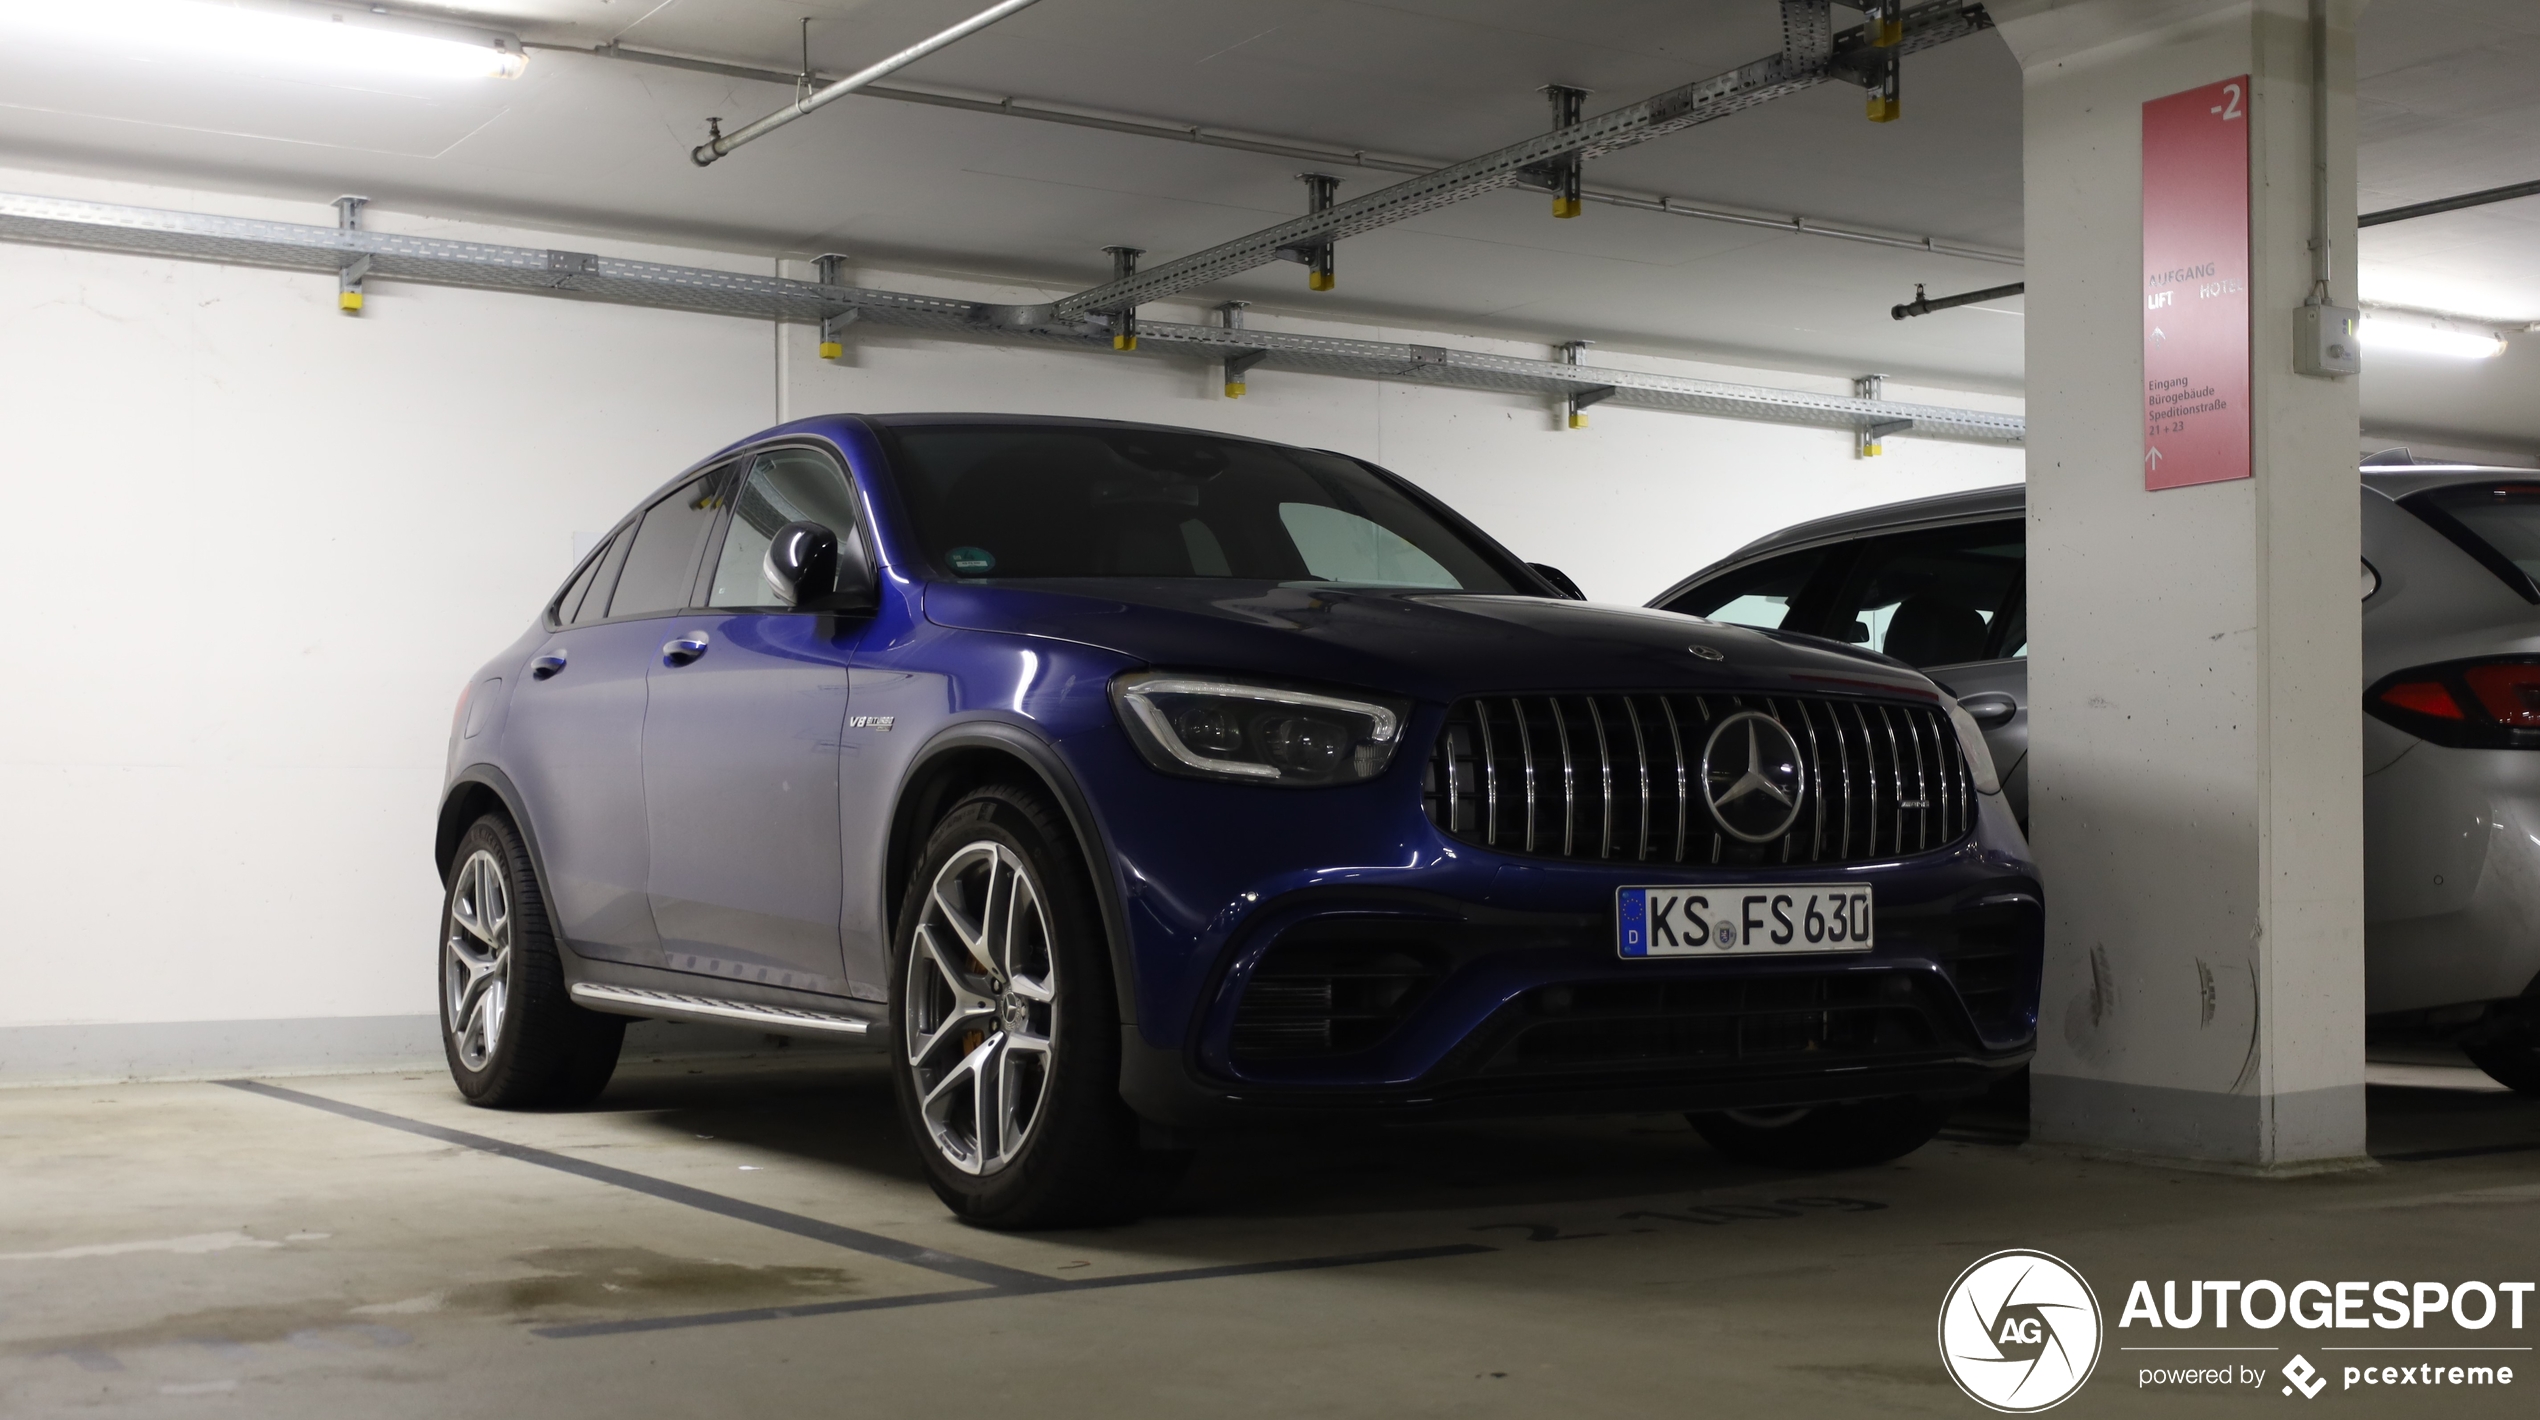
(1430, 644)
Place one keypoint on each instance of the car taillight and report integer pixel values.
(2510, 692)
(459, 714)
(2424, 697)
(2482, 704)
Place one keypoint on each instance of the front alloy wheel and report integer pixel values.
(1006, 1023)
(476, 958)
(981, 1023)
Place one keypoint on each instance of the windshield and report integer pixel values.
(1011, 500)
(2497, 523)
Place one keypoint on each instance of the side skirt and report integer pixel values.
(673, 1006)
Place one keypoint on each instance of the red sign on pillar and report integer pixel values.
(2196, 286)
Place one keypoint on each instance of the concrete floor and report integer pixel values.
(748, 1236)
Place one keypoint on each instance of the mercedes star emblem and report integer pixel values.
(1708, 653)
(1753, 777)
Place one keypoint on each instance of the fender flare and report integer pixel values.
(1043, 759)
(447, 828)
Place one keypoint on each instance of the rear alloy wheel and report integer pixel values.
(1007, 1028)
(1826, 1136)
(513, 1037)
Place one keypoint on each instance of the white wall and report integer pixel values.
(259, 545)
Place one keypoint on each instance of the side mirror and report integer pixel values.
(1560, 581)
(811, 569)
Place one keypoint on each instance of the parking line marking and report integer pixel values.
(2427, 1156)
(998, 1278)
(578, 1330)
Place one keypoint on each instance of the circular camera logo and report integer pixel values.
(2019, 1331)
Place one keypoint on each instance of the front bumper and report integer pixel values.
(1409, 1004)
(1460, 980)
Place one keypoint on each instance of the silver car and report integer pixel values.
(2451, 654)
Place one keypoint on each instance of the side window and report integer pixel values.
(1337, 546)
(1756, 595)
(784, 486)
(1940, 598)
(569, 600)
(661, 565)
(595, 603)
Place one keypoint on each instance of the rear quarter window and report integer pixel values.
(2498, 524)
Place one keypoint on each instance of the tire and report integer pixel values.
(2507, 1047)
(1005, 1027)
(513, 1037)
(1833, 1136)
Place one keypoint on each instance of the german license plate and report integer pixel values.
(1741, 921)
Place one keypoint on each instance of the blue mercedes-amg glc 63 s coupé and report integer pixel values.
(1129, 783)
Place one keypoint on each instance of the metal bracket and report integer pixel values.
(1563, 174)
(1423, 357)
(1871, 57)
(1239, 363)
(1124, 323)
(1575, 404)
(1321, 189)
(565, 265)
(348, 280)
(833, 326)
(1865, 437)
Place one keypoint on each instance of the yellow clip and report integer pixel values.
(1234, 389)
(1566, 207)
(1318, 281)
(832, 349)
(1871, 450)
(348, 301)
(1884, 109)
(1578, 420)
(1124, 342)
(1888, 35)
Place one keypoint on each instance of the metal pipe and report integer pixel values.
(1295, 149)
(443, 261)
(2321, 266)
(1923, 305)
(2449, 204)
(722, 144)
(1758, 82)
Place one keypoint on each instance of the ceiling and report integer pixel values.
(586, 143)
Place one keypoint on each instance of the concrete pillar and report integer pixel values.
(2195, 753)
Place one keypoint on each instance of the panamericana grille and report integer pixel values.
(1620, 778)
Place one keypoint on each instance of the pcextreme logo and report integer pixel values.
(2019, 1331)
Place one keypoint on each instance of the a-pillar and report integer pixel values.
(2195, 761)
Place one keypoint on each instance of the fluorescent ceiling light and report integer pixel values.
(292, 33)
(2384, 330)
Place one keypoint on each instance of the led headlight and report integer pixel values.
(1219, 728)
(1971, 739)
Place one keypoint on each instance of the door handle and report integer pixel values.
(1990, 709)
(541, 667)
(681, 649)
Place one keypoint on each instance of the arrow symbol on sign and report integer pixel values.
(2151, 459)
(2159, 335)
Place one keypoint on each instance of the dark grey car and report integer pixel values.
(2451, 681)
